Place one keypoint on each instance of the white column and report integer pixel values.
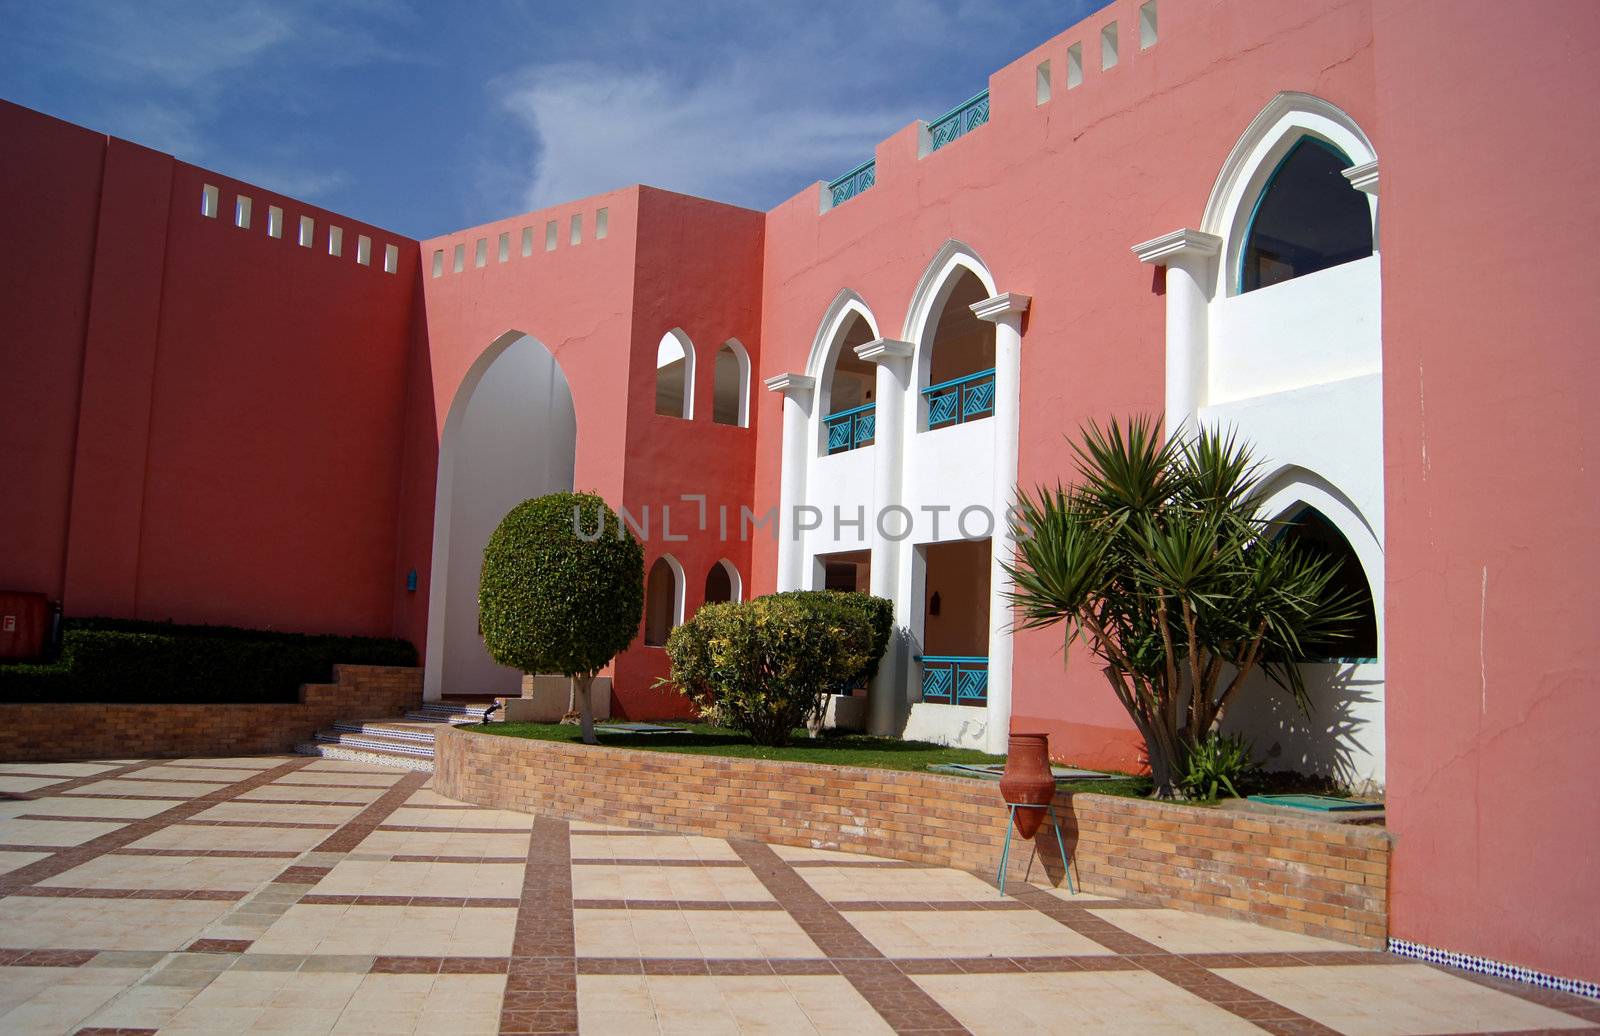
(1005, 312)
(893, 360)
(1187, 255)
(797, 396)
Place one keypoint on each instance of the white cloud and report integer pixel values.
(730, 135)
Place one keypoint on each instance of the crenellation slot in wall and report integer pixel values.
(551, 230)
(209, 201)
(1041, 83)
(241, 212)
(391, 258)
(274, 221)
(438, 262)
(1108, 47)
(336, 241)
(480, 252)
(308, 231)
(602, 223)
(1074, 66)
(459, 260)
(505, 247)
(577, 229)
(527, 241)
(364, 250)
(1147, 25)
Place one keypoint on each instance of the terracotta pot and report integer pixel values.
(1027, 780)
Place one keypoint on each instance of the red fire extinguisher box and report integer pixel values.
(24, 625)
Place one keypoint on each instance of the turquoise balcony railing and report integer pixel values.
(955, 679)
(959, 121)
(854, 182)
(850, 429)
(959, 400)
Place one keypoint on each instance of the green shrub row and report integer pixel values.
(122, 660)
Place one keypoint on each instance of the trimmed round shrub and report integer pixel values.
(552, 601)
(767, 666)
(875, 616)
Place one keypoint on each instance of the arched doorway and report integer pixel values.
(511, 434)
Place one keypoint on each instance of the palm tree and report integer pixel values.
(1156, 560)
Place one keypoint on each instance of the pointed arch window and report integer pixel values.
(1307, 218)
(663, 601)
(723, 583)
(675, 376)
(730, 402)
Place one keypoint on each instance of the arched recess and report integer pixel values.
(1343, 736)
(844, 381)
(723, 583)
(675, 375)
(510, 434)
(955, 277)
(730, 385)
(1288, 119)
(663, 600)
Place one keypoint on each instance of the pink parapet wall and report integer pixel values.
(207, 415)
(1494, 495)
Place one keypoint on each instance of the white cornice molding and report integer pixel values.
(1184, 243)
(1007, 303)
(882, 350)
(791, 384)
(1364, 177)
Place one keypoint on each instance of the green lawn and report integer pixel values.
(884, 753)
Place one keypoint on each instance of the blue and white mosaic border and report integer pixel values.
(1499, 969)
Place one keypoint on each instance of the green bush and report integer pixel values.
(126, 660)
(875, 615)
(767, 666)
(551, 601)
(1218, 762)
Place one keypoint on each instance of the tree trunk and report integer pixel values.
(580, 691)
(1163, 771)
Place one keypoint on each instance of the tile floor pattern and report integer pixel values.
(299, 895)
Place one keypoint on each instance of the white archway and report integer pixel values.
(953, 260)
(675, 366)
(729, 572)
(826, 349)
(510, 434)
(730, 404)
(1343, 736)
(1286, 119)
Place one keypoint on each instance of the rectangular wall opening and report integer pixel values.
(602, 223)
(1147, 24)
(391, 258)
(458, 261)
(241, 212)
(208, 201)
(955, 623)
(551, 230)
(364, 250)
(308, 231)
(504, 247)
(480, 252)
(577, 229)
(336, 241)
(527, 241)
(1108, 47)
(274, 221)
(1041, 83)
(438, 262)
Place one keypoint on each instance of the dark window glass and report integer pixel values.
(1307, 219)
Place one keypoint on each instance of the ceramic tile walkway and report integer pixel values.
(317, 896)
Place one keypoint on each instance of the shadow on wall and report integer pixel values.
(1341, 737)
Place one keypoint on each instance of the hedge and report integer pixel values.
(124, 660)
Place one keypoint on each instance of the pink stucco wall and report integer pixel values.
(1490, 378)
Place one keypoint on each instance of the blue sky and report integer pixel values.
(430, 117)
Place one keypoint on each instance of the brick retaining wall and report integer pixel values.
(57, 731)
(1309, 876)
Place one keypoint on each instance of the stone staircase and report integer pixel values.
(405, 742)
